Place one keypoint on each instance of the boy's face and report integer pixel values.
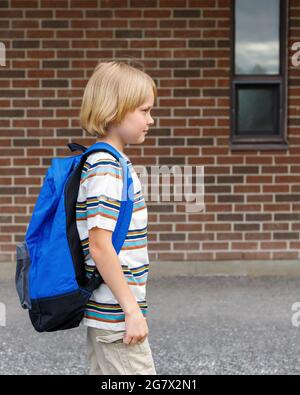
(132, 129)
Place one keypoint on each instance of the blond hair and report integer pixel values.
(114, 89)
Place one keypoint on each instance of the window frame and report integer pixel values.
(265, 142)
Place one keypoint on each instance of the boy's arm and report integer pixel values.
(108, 265)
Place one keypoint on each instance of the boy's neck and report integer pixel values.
(117, 144)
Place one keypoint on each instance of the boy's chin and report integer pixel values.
(139, 140)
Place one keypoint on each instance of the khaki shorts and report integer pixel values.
(108, 355)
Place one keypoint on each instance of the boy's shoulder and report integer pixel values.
(99, 156)
(102, 156)
(100, 160)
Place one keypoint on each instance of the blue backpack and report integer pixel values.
(50, 278)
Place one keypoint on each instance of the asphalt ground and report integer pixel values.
(197, 325)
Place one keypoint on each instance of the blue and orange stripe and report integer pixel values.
(100, 168)
(106, 312)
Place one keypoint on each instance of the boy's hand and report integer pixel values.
(136, 328)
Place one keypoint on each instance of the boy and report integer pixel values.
(116, 109)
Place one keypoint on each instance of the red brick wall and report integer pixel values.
(252, 197)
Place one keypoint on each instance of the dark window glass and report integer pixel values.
(257, 110)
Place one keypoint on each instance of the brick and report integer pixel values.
(26, 44)
(56, 44)
(230, 217)
(40, 34)
(11, 113)
(12, 93)
(25, 83)
(24, 3)
(55, 24)
(25, 64)
(12, 73)
(83, 4)
(55, 83)
(55, 103)
(69, 14)
(82, 24)
(40, 14)
(54, 123)
(287, 198)
(286, 236)
(12, 191)
(7, 14)
(186, 13)
(54, 4)
(26, 142)
(40, 54)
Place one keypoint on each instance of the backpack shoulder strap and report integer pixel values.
(126, 207)
(76, 147)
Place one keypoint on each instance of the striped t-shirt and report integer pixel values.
(98, 204)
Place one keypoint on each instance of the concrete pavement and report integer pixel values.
(197, 325)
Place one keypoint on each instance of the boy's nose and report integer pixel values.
(151, 123)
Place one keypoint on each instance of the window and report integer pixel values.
(259, 74)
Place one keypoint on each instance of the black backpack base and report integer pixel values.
(59, 312)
